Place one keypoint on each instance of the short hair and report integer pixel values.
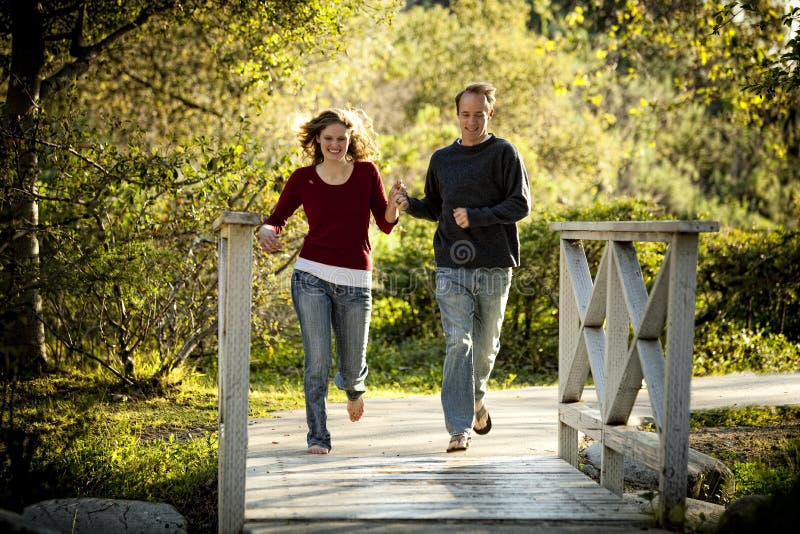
(479, 88)
(358, 124)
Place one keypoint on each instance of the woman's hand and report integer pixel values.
(397, 199)
(399, 196)
(268, 238)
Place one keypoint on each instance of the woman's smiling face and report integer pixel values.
(334, 141)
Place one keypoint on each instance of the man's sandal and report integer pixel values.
(459, 442)
(480, 415)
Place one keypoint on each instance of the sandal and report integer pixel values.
(478, 416)
(459, 442)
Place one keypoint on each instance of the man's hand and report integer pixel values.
(399, 196)
(460, 215)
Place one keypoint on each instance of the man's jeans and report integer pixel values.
(321, 305)
(472, 303)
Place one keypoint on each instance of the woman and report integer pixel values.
(332, 278)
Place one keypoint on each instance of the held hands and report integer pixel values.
(398, 196)
(398, 199)
(268, 239)
(401, 197)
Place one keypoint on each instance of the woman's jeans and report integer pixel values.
(320, 306)
(472, 303)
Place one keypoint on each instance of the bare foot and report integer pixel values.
(318, 449)
(355, 409)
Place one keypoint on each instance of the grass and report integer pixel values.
(760, 444)
(73, 434)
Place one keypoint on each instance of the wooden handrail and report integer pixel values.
(235, 278)
(612, 327)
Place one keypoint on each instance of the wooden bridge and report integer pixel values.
(389, 472)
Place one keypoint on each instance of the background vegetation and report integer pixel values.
(129, 126)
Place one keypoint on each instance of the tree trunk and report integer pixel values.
(22, 325)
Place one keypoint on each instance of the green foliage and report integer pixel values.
(83, 436)
(405, 308)
(692, 139)
(774, 472)
(753, 478)
(137, 157)
(411, 366)
(751, 279)
(529, 343)
(776, 71)
(744, 416)
(721, 349)
(129, 264)
(746, 294)
(622, 110)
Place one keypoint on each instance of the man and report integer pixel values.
(477, 190)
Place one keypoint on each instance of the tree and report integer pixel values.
(777, 71)
(50, 48)
(698, 141)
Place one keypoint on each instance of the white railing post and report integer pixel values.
(596, 320)
(235, 282)
(677, 378)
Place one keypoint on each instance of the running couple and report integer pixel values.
(476, 190)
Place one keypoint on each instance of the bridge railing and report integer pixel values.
(613, 327)
(235, 283)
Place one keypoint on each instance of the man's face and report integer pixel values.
(473, 117)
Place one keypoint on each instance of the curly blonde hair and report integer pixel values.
(358, 124)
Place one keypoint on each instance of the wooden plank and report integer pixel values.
(632, 282)
(244, 218)
(630, 384)
(572, 370)
(616, 351)
(637, 444)
(595, 343)
(596, 309)
(568, 443)
(655, 313)
(580, 280)
(423, 488)
(651, 356)
(627, 440)
(582, 418)
(235, 281)
(612, 470)
(668, 227)
(678, 373)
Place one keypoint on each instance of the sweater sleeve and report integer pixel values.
(288, 203)
(517, 203)
(379, 202)
(430, 207)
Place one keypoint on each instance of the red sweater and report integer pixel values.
(338, 215)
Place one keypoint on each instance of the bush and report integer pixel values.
(748, 308)
(750, 280)
(723, 349)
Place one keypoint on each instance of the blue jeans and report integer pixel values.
(322, 306)
(472, 303)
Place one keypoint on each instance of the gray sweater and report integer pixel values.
(489, 180)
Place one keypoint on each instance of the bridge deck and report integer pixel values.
(391, 468)
(534, 489)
